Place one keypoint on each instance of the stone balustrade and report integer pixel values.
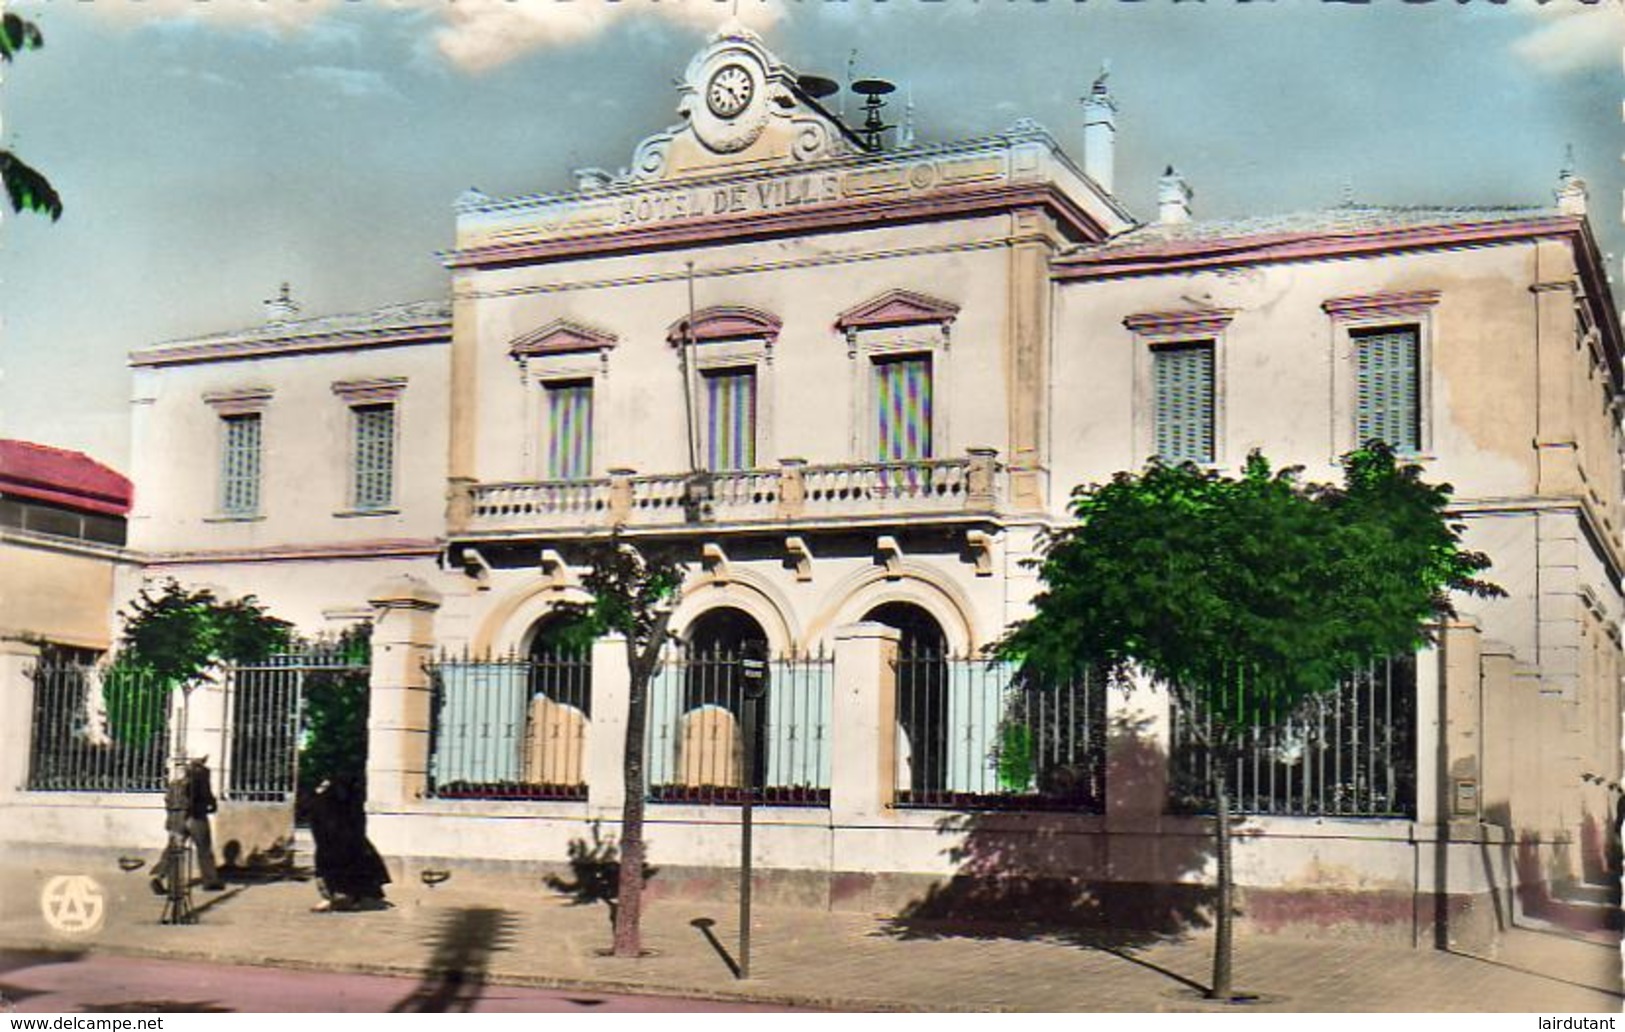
(794, 491)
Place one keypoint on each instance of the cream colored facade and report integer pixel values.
(766, 239)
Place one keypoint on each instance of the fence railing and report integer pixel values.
(268, 712)
(1349, 753)
(975, 734)
(696, 731)
(98, 729)
(511, 728)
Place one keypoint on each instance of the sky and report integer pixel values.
(209, 150)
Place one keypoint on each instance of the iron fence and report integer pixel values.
(98, 729)
(266, 712)
(975, 734)
(1348, 753)
(696, 739)
(510, 728)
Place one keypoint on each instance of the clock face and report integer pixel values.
(729, 91)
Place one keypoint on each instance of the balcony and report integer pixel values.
(793, 493)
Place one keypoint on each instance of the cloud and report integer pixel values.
(479, 35)
(279, 16)
(203, 76)
(351, 82)
(474, 36)
(1574, 38)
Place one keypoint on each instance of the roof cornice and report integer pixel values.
(1187, 255)
(289, 344)
(858, 213)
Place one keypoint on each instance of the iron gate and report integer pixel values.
(294, 718)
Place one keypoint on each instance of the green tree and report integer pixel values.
(334, 714)
(173, 637)
(26, 188)
(634, 591)
(1246, 596)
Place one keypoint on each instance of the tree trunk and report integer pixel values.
(1224, 941)
(629, 890)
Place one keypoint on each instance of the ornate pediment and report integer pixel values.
(561, 337)
(726, 322)
(897, 308)
(740, 106)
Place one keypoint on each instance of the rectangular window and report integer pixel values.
(1182, 382)
(730, 403)
(1387, 387)
(903, 404)
(240, 465)
(569, 431)
(374, 469)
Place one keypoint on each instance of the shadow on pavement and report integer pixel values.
(456, 973)
(158, 1007)
(24, 960)
(705, 924)
(274, 863)
(595, 874)
(1527, 970)
(1034, 875)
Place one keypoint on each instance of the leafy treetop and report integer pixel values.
(26, 188)
(177, 633)
(1210, 583)
(633, 591)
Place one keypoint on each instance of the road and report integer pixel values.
(39, 982)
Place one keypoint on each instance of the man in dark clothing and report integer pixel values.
(351, 873)
(188, 802)
(200, 804)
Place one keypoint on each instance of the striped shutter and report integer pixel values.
(1387, 394)
(903, 402)
(1182, 379)
(374, 456)
(731, 419)
(240, 466)
(569, 431)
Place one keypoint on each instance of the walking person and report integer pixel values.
(200, 805)
(349, 870)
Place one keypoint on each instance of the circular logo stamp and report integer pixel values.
(73, 903)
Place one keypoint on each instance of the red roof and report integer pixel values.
(62, 477)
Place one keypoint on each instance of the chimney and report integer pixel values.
(1100, 132)
(1571, 190)
(281, 308)
(1173, 198)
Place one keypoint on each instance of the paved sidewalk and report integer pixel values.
(846, 961)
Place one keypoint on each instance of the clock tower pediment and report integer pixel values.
(741, 108)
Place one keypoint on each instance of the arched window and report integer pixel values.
(710, 745)
(922, 694)
(561, 661)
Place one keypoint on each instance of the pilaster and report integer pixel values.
(400, 712)
(606, 736)
(863, 769)
(18, 660)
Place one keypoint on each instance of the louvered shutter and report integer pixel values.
(240, 472)
(904, 405)
(1387, 395)
(374, 456)
(569, 431)
(1182, 380)
(731, 418)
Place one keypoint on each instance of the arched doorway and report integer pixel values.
(710, 747)
(560, 707)
(922, 695)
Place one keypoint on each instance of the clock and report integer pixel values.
(730, 90)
